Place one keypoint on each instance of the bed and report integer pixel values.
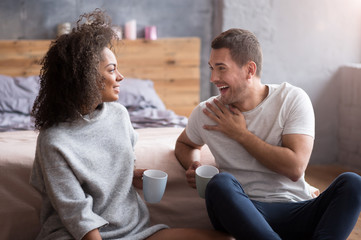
(160, 90)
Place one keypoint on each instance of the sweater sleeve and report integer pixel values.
(66, 194)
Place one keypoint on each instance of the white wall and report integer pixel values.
(304, 43)
(350, 116)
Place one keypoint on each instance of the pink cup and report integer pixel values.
(151, 33)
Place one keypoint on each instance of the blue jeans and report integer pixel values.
(332, 215)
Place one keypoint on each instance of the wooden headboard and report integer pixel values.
(171, 63)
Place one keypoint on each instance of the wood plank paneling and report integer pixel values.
(171, 63)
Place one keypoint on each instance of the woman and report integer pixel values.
(84, 162)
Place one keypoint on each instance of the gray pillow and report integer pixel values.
(17, 94)
(139, 93)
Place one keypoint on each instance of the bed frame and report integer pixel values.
(171, 63)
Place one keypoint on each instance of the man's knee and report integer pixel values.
(352, 184)
(219, 182)
(222, 184)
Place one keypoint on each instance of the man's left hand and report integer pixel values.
(230, 121)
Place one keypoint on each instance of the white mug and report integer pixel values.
(204, 174)
(154, 182)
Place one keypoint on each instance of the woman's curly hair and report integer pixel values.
(69, 79)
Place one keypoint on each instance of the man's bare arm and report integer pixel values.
(189, 156)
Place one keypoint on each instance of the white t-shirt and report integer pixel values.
(286, 110)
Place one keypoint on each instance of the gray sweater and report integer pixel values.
(84, 172)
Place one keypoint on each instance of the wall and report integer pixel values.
(305, 43)
(350, 116)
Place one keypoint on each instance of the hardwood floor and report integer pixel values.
(321, 176)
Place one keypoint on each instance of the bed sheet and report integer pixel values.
(19, 202)
(180, 206)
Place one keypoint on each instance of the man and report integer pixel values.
(262, 137)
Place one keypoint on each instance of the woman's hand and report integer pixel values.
(92, 235)
(138, 178)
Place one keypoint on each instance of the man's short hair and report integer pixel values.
(243, 46)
